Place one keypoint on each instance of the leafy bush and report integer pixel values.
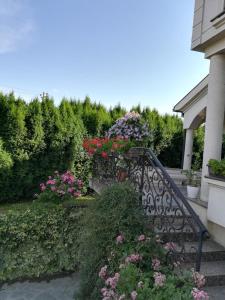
(115, 210)
(120, 261)
(138, 269)
(39, 240)
(62, 187)
(217, 167)
(5, 159)
(40, 138)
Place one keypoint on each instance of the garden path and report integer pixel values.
(55, 289)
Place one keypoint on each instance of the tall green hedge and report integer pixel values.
(40, 240)
(39, 138)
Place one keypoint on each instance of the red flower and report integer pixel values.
(104, 154)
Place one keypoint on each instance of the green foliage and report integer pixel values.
(5, 159)
(115, 210)
(217, 167)
(40, 239)
(120, 256)
(40, 139)
(193, 178)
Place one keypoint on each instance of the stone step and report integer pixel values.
(214, 272)
(211, 251)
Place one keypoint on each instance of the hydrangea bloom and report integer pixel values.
(159, 279)
(141, 238)
(129, 127)
(64, 185)
(119, 239)
(199, 294)
(133, 258)
(199, 279)
(155, 264)
(103, 272)
(134, 295)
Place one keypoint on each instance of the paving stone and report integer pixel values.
(45, 296)
(216, 292)
(56, 289)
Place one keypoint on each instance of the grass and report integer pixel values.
(24, 205)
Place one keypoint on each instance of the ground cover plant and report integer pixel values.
(121, 259)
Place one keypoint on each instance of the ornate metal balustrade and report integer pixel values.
(168, 211)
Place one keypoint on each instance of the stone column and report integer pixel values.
(214, 116)
(188, 149)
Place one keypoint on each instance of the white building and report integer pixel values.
(206, 104)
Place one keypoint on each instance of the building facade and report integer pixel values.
(206, 104)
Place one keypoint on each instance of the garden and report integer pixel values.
(52, 223)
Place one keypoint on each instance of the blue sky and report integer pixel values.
(127, 51)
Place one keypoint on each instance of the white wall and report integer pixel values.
(203, 28)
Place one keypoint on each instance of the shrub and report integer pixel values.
(115, 210)
(119, 260)
(5, 159)
(40, 240)
(217, 167)
(138, 269)
(40, 138)
(62, 187)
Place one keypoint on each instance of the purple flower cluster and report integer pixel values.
(129, 127)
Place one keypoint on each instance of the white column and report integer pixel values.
(214, 116)
(188, 149)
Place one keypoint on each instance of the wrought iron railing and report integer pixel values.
(168, 211)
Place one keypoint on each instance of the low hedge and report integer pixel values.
(39, 240)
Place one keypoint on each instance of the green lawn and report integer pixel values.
(24, 205)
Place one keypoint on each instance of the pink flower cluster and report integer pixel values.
(133, 295)
(63, 185)
(156, 264)
(103, 273)
(199, 294)
(170, 246)
(199, 279)
(120, 239)
(133, 258)
(112, 281)
(108, 292)
(159, 279)
(141, 238)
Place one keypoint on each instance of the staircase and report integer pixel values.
(169, 214)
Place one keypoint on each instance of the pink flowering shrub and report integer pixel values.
(138, 269)
(61, 187)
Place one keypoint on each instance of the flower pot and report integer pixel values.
(193, 191)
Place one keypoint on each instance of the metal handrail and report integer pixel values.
(145, 170)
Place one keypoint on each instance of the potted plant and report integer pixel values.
(193, 183)
(217, 168)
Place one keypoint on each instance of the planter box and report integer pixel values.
(214, 176)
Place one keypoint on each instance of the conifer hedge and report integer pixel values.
(35, 140)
